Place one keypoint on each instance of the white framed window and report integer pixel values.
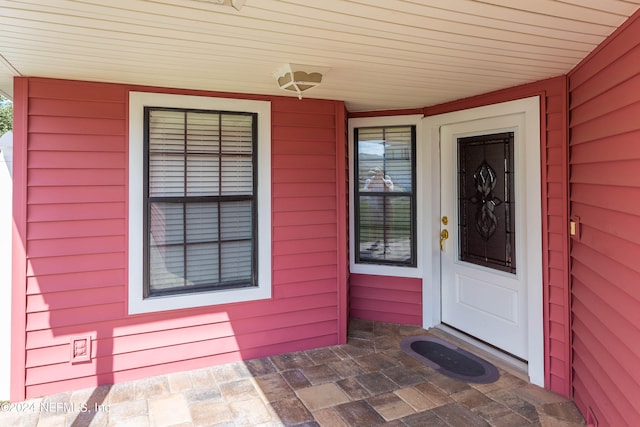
(199, 201)
(385, 176)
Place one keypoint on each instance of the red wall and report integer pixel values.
(386, 299)
(71, 225)
(605, 258)
(369, 292)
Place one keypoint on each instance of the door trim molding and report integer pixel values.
(431, 295)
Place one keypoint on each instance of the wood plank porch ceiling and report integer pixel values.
(382, 54)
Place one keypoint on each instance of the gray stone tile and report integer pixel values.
(55, 405)
(411, 330)
(90, 418)
(133, 421)
(403, 376)
(353, 388)
(296, 379)
(357, 347)
(168, 410)
(292, 412)
(322, 396)
(150, 387)
(210, 413)
(202, 378)
(285, 362)
(390, 406)
(125, 411)
(385, 329)
(376, 362)
(202, 394)
(510, 420)
(230, 372)
(359, 414)
(433, 393)
(250, 413)
(329, 418)
(22, 418)
(274, 387)
(537, 395)
(91, 396)
(386, 343)
(493, 411)
(262, 366)
(346, 368)
(122, 392)
(424, 419)
(505, 382)
(418, 401)
(376, 383)
(53, 420)
(239, 390)
(448, 385)
(403, 359)
(179, 381)
(322, 356)
(339, 351)
(455, 415)
(471, 398)
(320, 374)
(515, 403)
(563, 411)
(361, 328)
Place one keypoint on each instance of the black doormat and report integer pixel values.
(450, 360)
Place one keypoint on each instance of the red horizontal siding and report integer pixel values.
(289, 247)
(118, 343)
(77, 246)
(187, 351)
(297, 261)
(153, 370)
(617, 148)
(77, 143)
(280, 161)
(75, 280)
(75, 194)
(75, 228)
(76, 211)
(284, 204)
(605, 194)
(293, 218)
(386, 299)
(86, 160)
(63, 177)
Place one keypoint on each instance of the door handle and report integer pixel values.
(444, 235)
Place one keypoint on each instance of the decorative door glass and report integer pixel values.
(486, 208)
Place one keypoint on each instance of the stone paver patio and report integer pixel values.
(367, 382)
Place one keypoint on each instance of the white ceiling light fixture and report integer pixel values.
(236, 4)
(299, 78)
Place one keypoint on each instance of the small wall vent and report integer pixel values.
(81, 349)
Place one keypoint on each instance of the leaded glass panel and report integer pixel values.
(486, 201)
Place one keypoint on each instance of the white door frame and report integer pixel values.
(431, 295)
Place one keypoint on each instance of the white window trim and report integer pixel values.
(376, 269)
(137, 303)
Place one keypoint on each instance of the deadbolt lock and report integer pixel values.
(445, 220)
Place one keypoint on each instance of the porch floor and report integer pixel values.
(367, 382)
